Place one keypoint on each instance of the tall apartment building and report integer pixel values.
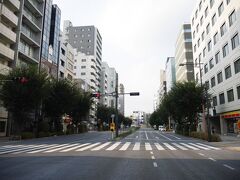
(163, 86)
(30, 25)
(9, 10)
(184, 55)
(88, 41)
(170, 73)
(50, 40)
(215, 32)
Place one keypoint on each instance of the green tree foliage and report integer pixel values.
(22, 91)
(104, 113)
(127, 122)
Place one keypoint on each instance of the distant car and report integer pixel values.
(162, 128)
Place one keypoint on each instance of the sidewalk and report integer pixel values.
(229, 142)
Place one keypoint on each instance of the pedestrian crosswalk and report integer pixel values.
(103, 146)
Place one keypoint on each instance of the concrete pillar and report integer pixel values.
(223, 125)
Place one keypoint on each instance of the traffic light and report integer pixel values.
(96, 95)
(21, 80)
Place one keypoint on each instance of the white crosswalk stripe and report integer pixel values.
(169, 146)
(148, 147)
(106, 146)
(100, 147)
(188, 146)
(115, 145)
(125, 146)
(159, 147)
(88, 147)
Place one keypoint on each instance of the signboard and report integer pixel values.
(238, 123)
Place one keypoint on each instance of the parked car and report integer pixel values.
(162, 128)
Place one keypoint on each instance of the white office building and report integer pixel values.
(215, 32)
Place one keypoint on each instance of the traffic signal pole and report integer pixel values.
(116, 105)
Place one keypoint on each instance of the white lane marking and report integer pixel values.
(47, 148)
(159, 147)
(151, 152)
(169, 146)
(179, 146)
(101, 146)
(113, 146)
(200, 147)
(165, 137)
(155, 164)
(152, 157)
(33, 148)
(146, 135)
(157, 137)
(70, 149)
(148, 147)
(136, 146)
(212, 159)
(188, 146)
(227, 166)
(125, 146)
(174, 136)
(60, 148)
(15, 150)
(201, 154)
(211, 147)
(88, 147)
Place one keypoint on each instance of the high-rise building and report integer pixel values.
(121, 99)
(50, 40)
(184, 55)
(163, 86)
(170, 73)
(30, 26)
(9, 10)
(88, 41)
(215, 32)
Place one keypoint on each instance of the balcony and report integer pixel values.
(4, 69)
(6, 52)
(13, 4)
(29, 37)
(9, 17)
(7, 34)
(31, 21)
(35, 7)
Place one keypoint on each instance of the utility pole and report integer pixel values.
(116, 105)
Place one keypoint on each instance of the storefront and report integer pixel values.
(229, 122)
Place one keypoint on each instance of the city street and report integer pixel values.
(146, 154)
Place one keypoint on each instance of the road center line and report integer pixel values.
(212, 159)
(153, 157)
(146, 135)
(229, 167)
(155, 164)
(165, 137)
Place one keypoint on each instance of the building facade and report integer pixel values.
(50, 40)
(121, 99)
(184, 55)
(170, 73)
(215, 32)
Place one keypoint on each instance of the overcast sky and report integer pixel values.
(138, 36)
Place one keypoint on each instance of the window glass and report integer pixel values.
(230, 95)
(235, 41)
(221, 98)
(219, 77)
(237, 66)
(228, 72)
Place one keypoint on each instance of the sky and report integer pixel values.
(137, 35)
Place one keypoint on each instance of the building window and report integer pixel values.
(206, 12)
(223, 29)
(209, 46)
(220, 9)
(75, 35)
(62, 63)
(230, 95)
(198, 42)
(235, 41)
(214, 19)
(83, 60)
(238, 92)
(232, 18)
(221, 98)
(228, 1)
(196, 14)
(208, 28)
(237, 66)
(196, 62)
(200, 5)
(192, 21)
(225, 50)
(61, 74)
(83, 74)
(215, 38)
(211, 3)
(197, 27)
(207, 85)
(211, 63)
(205, 68)
(201, 21)
(193, 34)
(217, 57)
(83, 67)
(203, 35)
(215, 101)
(195, 48)
(204, 52)
(228, 72)
(219, 77)
(213, 82)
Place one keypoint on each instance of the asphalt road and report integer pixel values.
(146, 154)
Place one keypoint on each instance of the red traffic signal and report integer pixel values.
(96, 95)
